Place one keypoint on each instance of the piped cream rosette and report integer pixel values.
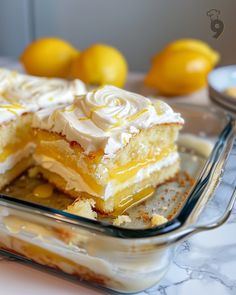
(111, 107)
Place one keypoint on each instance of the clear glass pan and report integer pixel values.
(131, 258)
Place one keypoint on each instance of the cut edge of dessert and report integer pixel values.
(20, 97)
(109, 145)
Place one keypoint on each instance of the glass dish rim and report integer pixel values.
(115, 231)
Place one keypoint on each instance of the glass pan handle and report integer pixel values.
(185, 233)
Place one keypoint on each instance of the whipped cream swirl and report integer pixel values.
(43, 92)
(106, 119)
(111, 107)
(22, 93)
(10, 111)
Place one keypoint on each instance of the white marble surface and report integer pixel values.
(203, 264)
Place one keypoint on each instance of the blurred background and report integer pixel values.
(139, 28)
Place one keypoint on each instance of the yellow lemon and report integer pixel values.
(182, 67)
(194, 45)
(100, 64)
(49, 57)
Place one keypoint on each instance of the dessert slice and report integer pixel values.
(110, 145)
(20, 97)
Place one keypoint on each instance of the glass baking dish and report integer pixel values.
(133, 257)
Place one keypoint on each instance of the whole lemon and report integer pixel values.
(196, 46)
(180, 73)
(100, 64)
(49, 57)
(182, 67)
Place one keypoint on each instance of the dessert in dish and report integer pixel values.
(87, 261)
(81, 248)
(110, 145)
(20, 96)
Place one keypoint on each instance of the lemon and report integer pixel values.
(180, 73)
(194, 45)
(49, 57)
(182, 67)
(100, 64)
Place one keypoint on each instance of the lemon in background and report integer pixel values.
(182, 67)
(196, 46)
(49, 57)
(100, 64)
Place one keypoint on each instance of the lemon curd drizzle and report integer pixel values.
(123, 202)
(131, 118)
(11, 107)
(136, 116)
(158, 108)
(83, 119)
(43, 191)
(120, 121)
(92, 111)
(132, 200)
(70, 108)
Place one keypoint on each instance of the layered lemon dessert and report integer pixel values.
(110, 145)
(21, 96)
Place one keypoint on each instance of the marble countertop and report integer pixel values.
(203, 264)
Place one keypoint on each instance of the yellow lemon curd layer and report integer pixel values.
(116, 205)
(122, 200)
(11, 149)
(14, 172)
(119, 173)
(20, 138)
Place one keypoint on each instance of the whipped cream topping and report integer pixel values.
(105, 119)
(23, 93)
(9, 111)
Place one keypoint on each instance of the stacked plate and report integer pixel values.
(219, 81)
